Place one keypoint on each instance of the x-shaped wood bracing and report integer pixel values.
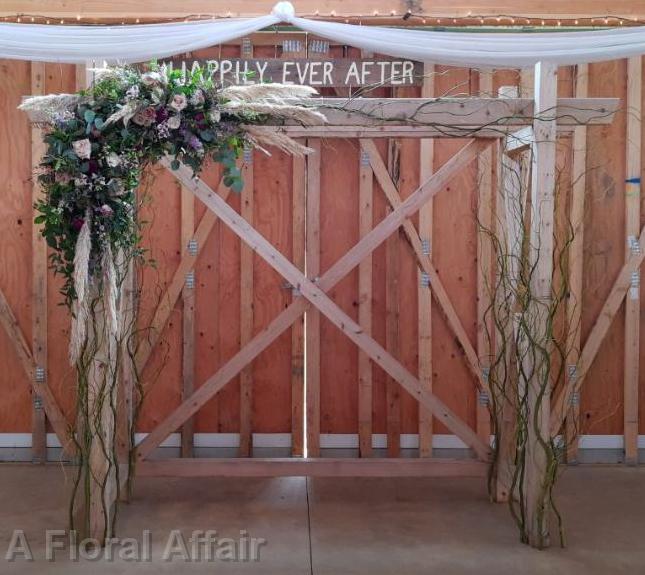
(315, 294)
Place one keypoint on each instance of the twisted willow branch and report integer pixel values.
(527, 349)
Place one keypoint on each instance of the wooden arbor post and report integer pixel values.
(536, 367)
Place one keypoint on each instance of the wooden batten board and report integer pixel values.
(188, 317)
(39, 282)
(632, 225)
(424, 297)
(365, 296)
(246, 311)
(392, 315)
(312, 467)
(299, 201)
(312, 318)
(484, 267)
(574, 302)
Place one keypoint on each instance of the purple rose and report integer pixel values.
(77, 223)
(105, 210)
(162, 115)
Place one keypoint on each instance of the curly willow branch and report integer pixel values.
(526, 336)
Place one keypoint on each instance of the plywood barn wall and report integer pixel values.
(217, 292)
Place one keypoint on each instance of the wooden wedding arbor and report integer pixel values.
(493, 127)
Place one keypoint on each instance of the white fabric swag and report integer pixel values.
(138, 43)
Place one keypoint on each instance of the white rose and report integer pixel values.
(82, 148)
(152, 79)
(113, 159)
(214, 116)
(173, 122)
(197, 99)
(178, 102)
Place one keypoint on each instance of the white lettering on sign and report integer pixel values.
(319, 73)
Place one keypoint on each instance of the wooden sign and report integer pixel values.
(319, 73)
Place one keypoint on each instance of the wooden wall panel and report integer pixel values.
(604, 253)
(15, 240)
(218, 274)
(454, 256)
(338, 233)
(62, 376)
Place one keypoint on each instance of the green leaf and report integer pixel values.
(89, 116)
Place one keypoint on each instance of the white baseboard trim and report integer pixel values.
(327, 441)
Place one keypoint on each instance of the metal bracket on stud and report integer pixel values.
(634, 291)
(483, 398)
(318, 47)
(425, 247)
(39, 374)
(294, 290)
(425, 279)
(190, 280)
(247, 155)
(38, 402)
(486, 373)
(292, 46)
(192, 247)
(572, 372)
(365, 158)
(247, 47)
(634, 245)
(575, 398)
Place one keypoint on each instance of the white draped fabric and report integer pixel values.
(137, 43)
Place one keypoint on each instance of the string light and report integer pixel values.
(78, 17)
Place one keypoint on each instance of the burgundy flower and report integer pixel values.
(162, 115)
(77, 223)
(93, 167)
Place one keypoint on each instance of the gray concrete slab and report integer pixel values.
(375, 526)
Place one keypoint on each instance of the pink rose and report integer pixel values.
(178, 102)
(145, 117)
(62, 178)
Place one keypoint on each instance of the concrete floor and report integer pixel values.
(344, 526)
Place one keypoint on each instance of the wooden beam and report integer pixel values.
(484, 268)
(541, 261)
(188, 317)
(324, 467)
(40, 388)
(299, 201)
(331, 310)
(574, 302)
(365, 11)
(424, 297)
(597, 334)
(438, 117)
(312, 319)
(38, 282)
(284, 320)
(392, 271)
(459, 112)
(632, 225)
(365, 392)
(176, 285)
(521, 141)
(438, 290)
(246, 311)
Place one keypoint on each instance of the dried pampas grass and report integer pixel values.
(267, 92)
(300, 114)
(260, 137)
(80, 306)
(47, 108)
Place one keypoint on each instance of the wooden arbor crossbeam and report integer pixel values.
(315, 294)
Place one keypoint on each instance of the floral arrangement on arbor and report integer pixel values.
(100, 140)
(98, 143)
